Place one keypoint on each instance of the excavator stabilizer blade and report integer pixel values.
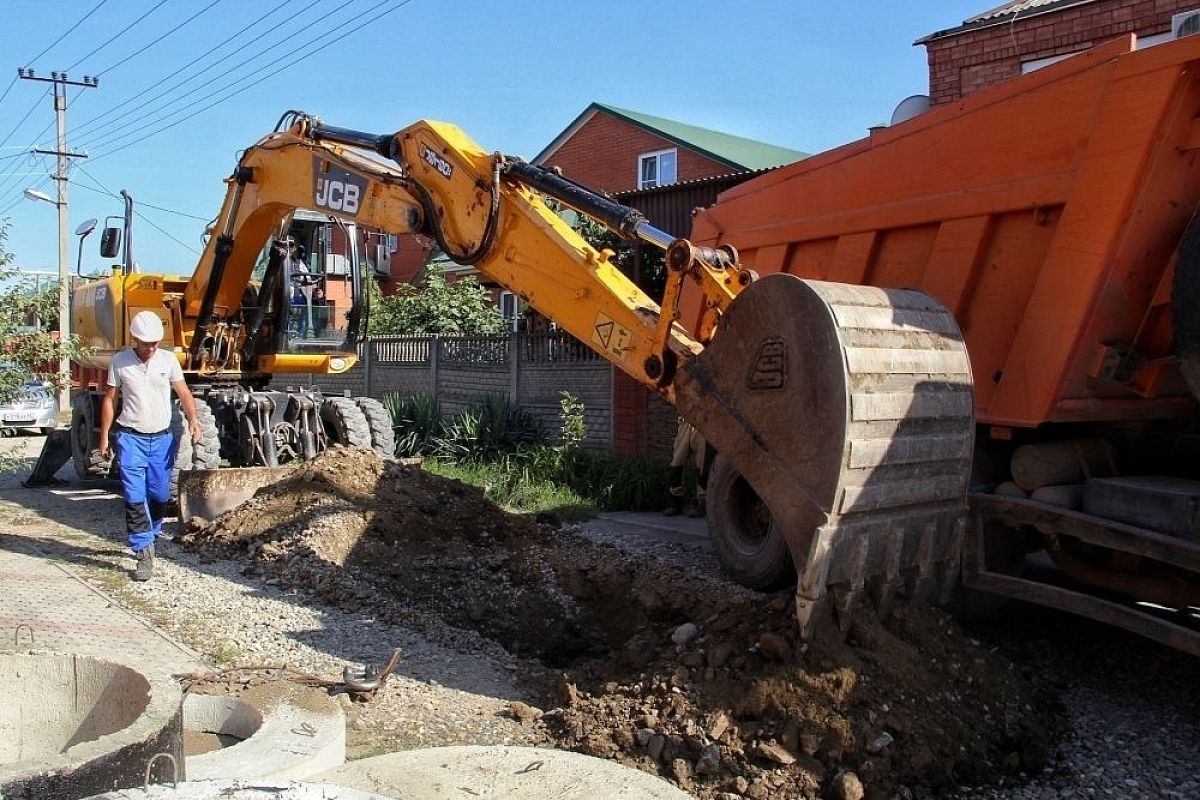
(850, 411)
(209, 493)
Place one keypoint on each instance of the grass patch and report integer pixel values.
(515, 493)
(224, 653)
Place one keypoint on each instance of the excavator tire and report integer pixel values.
(383, 436)
(202, 455)
(746, 541)
(1185, 307)
(345, 423)
(84, 443)
(850, 411)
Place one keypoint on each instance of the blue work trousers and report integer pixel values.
(146, 461)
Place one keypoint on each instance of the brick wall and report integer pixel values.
(964, 63)
(603, 155)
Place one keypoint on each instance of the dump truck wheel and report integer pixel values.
(746, 542)
(84, 441)
(1185, 307)
(383, 436)
(345, 423)
(204, 454)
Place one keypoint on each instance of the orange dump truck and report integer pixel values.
(1054, 216)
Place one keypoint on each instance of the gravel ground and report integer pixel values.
(1134, 707)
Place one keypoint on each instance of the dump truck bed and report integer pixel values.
(1043, 212)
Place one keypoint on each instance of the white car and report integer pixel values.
(35, 407)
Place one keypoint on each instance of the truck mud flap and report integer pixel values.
(850, 411)
(209, 493)
(56, 452)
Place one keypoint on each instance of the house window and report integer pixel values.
(656, 169)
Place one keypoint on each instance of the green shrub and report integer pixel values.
(416, 422)
(487, 432)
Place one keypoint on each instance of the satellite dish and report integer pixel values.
(86, 227)
(910, 107)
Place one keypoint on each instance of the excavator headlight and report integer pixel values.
(337, 364)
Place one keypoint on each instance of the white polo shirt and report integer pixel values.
(145, 389)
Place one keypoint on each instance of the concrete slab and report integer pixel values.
(529, 773)
(76, 725)
(290, 734)
(241, 790)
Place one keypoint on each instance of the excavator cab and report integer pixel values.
(318, 301)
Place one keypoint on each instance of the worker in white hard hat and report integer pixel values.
(144, 376)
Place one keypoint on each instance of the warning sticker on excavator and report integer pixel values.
(611, 337)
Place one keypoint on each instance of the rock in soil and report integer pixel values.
(686, 676)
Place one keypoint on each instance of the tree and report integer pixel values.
(27, 318)
(437, 307)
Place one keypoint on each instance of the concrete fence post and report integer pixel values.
(514, 367)
(368, 351)
(434, 353)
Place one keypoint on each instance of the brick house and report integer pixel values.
(613, 150)
(1019, 37)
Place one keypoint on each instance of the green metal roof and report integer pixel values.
(736, 152)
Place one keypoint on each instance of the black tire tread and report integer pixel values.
(345, 423)
(763, 563)
(383, 436)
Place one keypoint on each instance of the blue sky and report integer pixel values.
(796, 73)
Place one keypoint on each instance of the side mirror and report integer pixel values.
(110, 243)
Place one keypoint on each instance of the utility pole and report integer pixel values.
(61, 82)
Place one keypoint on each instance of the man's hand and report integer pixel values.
(105, 448)
(195, 429)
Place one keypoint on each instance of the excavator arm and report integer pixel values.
(846, 410)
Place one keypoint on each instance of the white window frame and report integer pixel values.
(656, 157)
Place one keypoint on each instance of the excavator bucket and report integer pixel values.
(850, 411)
(208, 493)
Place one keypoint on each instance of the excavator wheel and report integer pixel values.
(202, 455)
(850, 412)
(345, 423)
(746, 541)
(84, 440)
(383, 435)
(1185, 307)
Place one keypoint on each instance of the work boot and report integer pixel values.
(675, 509)
(697, 511)
(145, 564)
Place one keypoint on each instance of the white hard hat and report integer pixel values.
(146, 327)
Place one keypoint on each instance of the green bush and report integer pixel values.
(487, 432)
(416, 422)
(502, 448)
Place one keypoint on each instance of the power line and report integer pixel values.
(82, 19)
(43, 184)
(105, 190)
(329, 40)
(32, 108)
(107, 119)
(118, 35)
(159, 39)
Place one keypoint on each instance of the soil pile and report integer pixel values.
(680, 674)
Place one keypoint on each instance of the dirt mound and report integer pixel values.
(683, 675)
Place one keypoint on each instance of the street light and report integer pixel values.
(64, 290)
